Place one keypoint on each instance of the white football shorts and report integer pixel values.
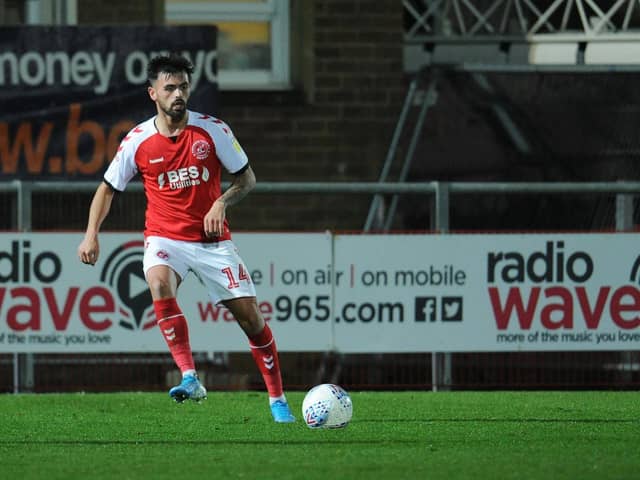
(217, 265)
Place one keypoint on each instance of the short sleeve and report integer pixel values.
(228, 148)
(123, 166)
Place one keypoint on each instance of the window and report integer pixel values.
(50, 12)
(253, 39)
(11, 12)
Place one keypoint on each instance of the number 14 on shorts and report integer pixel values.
(242, 275)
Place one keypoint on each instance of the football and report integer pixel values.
(327, 406)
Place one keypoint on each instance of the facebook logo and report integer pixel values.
(427, 309)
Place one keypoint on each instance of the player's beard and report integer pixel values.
(176, 114)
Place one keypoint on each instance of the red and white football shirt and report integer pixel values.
(181, 175)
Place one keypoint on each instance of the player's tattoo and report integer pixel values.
(242, 184)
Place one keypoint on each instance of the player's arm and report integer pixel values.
(89, 248)
(243, 182)
(118, 174)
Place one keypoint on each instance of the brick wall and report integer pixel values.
(338, 128)
(335, 125)
(342, 129)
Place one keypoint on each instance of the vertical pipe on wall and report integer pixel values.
(23, 363)
(624, 223)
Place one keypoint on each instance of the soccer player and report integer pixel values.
(179, 155)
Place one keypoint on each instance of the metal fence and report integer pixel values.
(43, 206)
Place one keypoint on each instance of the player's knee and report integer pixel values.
(160, 288)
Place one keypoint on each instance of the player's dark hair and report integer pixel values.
(172, 63)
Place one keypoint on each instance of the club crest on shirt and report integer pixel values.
(200, 149)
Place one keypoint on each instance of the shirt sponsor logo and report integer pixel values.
(183, 177)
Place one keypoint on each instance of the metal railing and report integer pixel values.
(504, 20)
(441, 191)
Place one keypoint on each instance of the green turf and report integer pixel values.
(496, 435)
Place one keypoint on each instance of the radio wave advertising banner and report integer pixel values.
(70, 94)
(348, 293)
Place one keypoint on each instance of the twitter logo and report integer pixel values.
(451, 309)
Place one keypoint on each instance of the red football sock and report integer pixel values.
(174, 329)
(265, 354)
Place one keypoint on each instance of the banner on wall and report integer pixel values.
(50, 302)
(458, 293)
(350, 293)
(69, 94)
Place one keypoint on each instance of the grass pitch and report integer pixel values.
(496, 435)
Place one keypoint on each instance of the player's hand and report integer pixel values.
(214, 219)
(88, 251)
